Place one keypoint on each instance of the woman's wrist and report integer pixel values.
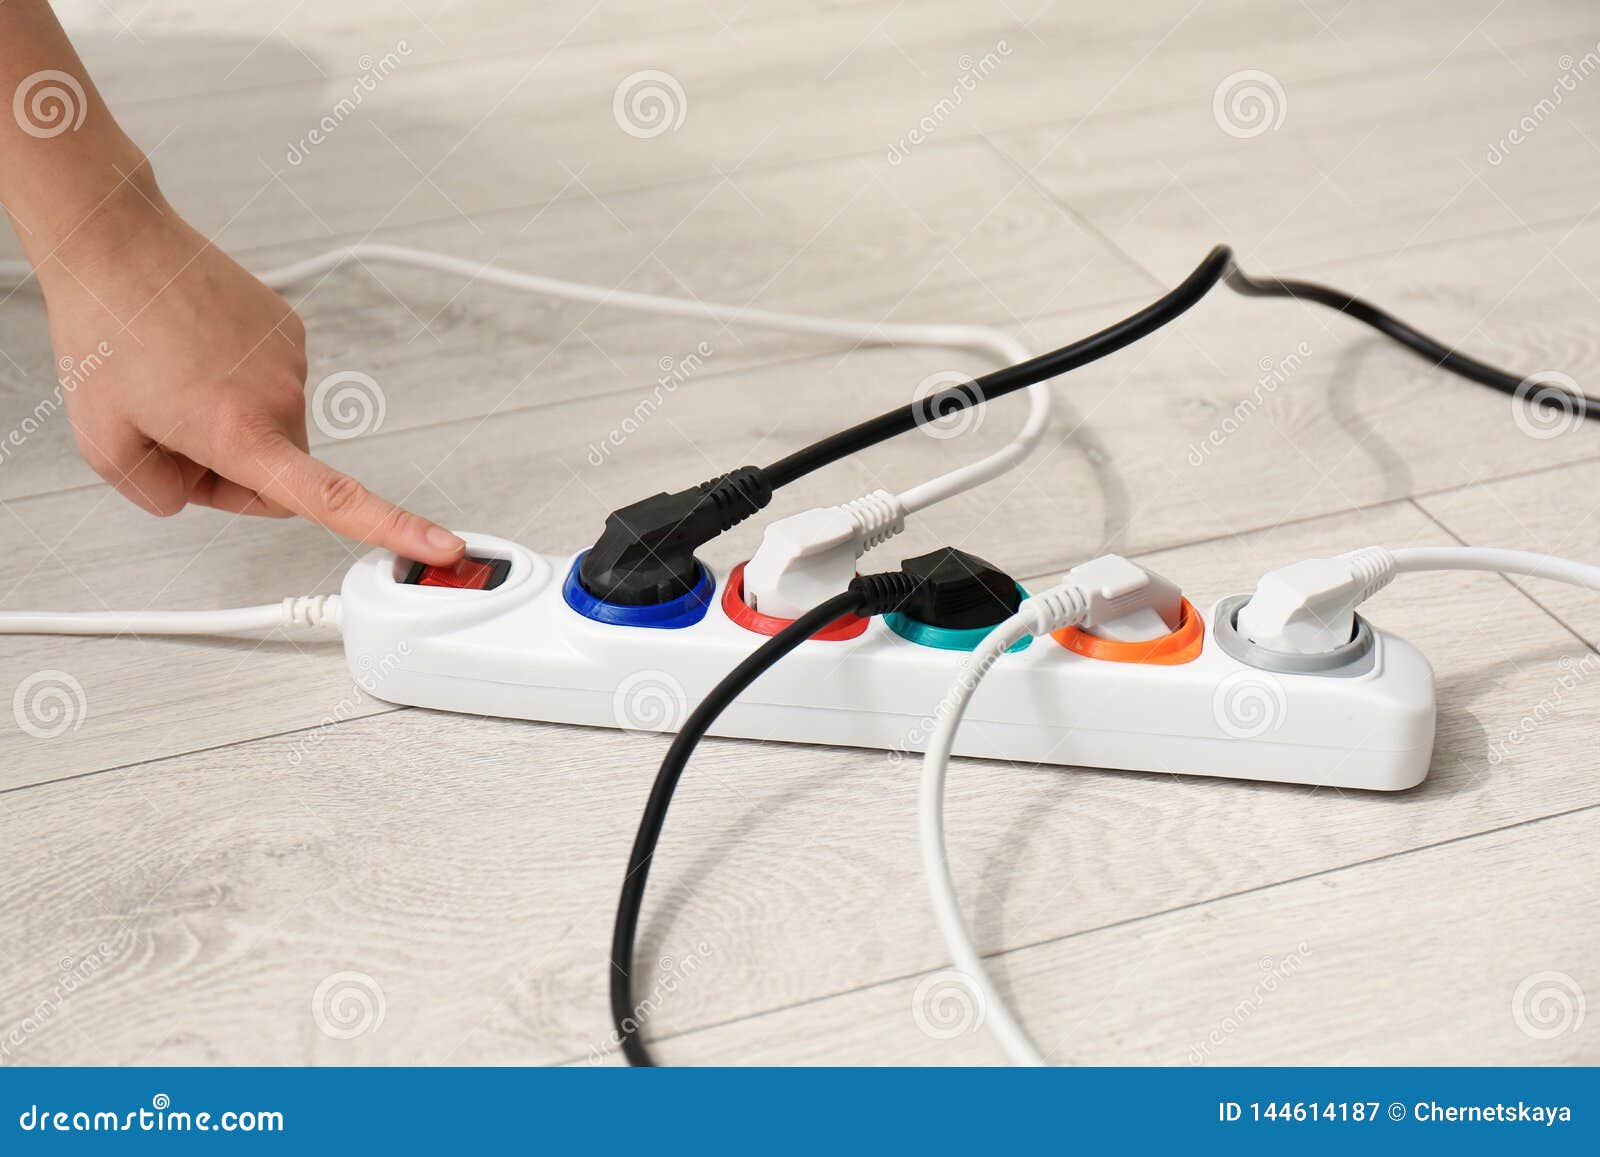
(75, 241)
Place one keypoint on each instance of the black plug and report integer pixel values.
(959, 591)
(645, 555)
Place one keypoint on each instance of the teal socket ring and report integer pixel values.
(947, 638)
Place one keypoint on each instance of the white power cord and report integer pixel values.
(980, 338)
(1309, 607)
(875, 518)
(306, 611)
(1092, 595)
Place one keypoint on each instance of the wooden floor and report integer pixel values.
(233, 856)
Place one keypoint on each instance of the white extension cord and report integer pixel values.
(983, 339)
(1321, 589)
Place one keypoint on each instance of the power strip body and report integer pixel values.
(520, 651)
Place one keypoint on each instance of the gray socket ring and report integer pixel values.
(1346, 662)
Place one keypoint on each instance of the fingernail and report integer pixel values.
(441, 539)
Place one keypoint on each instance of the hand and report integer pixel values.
(190, 381)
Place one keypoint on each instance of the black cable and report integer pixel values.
(646, 554)
(1217, 266)
(875, 593)
(867, 595)
(1008, 380)
(1441, 355)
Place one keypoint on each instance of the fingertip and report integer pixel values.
(442, 548)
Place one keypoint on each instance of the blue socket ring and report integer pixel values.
(684, 611)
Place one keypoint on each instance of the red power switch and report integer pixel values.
(470, 574)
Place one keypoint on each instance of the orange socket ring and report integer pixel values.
(1180, 646)
(741, 612)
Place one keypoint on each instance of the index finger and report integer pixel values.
(280, 470)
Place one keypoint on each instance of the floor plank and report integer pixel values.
(1392, 962)
(1489, 139)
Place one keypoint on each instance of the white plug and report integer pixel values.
(1111, 597)
(1309, 607)
(1127, 603)
(809, 557)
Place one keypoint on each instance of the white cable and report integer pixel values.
(1410, 559)
(1084, 596)
(1000, 345)
(1097, 595)
(935, 859)
(306, 611)
(883, 517)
